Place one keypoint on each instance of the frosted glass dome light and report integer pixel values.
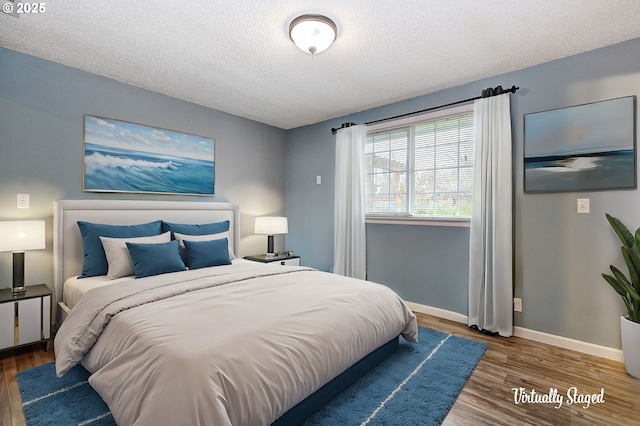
(313, 33)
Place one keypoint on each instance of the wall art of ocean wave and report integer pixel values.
(119, 170)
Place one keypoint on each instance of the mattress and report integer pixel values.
(234, 344)
(75, 287)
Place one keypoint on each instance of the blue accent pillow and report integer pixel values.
(155, 259)
(201, 254)
(95, 260)
(190, 229)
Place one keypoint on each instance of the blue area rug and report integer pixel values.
(416, 385)
(68, 400)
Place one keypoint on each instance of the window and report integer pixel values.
(421, 167)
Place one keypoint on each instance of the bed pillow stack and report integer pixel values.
(118, 256)
(95, 260)
(152, 248)
(202, 254)
(199, 229)
(204, 245)
(155, 259)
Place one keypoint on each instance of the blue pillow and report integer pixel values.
(201, 254)
(201, 229)
(95, 261)
(155, 259)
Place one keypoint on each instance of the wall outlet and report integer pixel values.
(517, 304)
(318, 180)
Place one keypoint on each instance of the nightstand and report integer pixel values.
(25, 318)
(281, 259)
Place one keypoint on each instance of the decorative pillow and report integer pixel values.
(201, 254)
(208, 237)
(95, 261)
(118, 257)
(201, 229)
(155, 259)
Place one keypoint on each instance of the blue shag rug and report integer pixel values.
(68, 400)
(416, 385)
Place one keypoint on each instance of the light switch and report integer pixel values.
(318, 180)
(23, 201)
(583, 205)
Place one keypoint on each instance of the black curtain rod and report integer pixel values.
(487, 93)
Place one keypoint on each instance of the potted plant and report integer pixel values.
(629, 290)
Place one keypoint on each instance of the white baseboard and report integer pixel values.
(571, 344)
(525, 333)
(437, 312)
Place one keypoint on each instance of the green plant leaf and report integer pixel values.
(620, 277)
(624, 285)
(632, 260)
(634, 254)
(623, 233)
(617, 283)
(627, 288)
(619, 288)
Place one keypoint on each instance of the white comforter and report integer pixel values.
(238, 344)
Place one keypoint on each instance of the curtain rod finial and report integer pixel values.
(342, 126)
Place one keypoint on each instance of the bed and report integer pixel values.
(237, 343)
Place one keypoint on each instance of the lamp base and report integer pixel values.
(18, 291)
(18, 273)
(270, 251)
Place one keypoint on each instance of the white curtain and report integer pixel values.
(491, 246)
(349, 243)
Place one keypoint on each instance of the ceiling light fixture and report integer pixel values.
(313, 33)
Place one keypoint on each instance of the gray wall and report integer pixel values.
(41, 126)
(559, 255)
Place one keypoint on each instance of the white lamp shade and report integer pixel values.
(312, 33)
(271, 225)
(22, 235)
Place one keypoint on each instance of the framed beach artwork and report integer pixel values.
(125, 157)
(581, 148)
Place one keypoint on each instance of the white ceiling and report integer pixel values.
(235, 56)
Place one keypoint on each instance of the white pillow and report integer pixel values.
(118, 257)
(208, 237)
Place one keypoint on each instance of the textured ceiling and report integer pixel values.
(235, 56)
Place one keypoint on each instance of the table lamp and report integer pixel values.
(18, 236)
(270, 226)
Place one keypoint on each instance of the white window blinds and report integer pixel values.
(421, 169)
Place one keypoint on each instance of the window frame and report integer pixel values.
(407, 218)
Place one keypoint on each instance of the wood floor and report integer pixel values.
(12, 361)
(487, 398)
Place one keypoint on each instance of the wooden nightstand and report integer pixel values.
(25, 318)
(282, 259)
